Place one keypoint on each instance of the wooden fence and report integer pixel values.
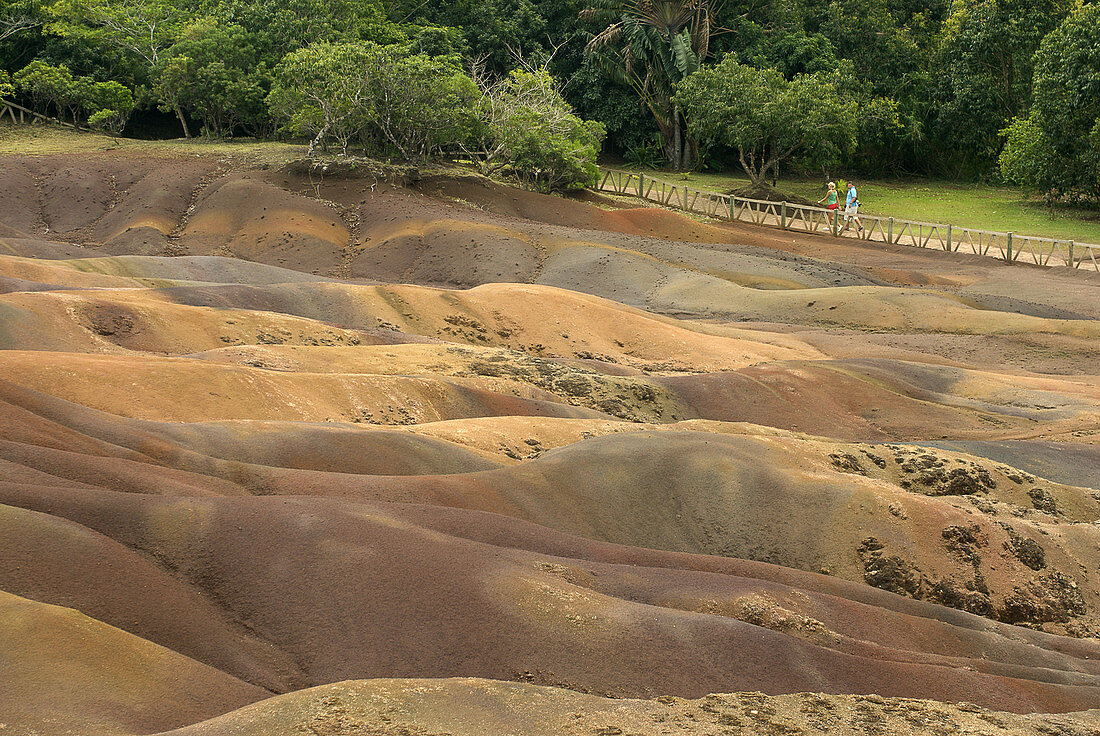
(1007, 246)
(20, 114)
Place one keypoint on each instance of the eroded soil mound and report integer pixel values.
(263, 431)
(467, 707)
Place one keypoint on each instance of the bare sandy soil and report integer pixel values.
(358, 456)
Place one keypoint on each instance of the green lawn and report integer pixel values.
(969, 205)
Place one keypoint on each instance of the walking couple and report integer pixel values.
(851, 206)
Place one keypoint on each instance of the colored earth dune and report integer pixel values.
(387, 456)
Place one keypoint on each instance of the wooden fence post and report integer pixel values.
(890, 230)
(641, 182)
(730, 202)
(1071, 265)
(949, 237)
(783, 216)
(1008, 250)
(834, 222)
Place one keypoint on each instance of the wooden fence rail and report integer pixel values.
(1008, 246)
(12, 110)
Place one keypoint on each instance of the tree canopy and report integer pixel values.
(949, 87)
(1056, 146)
(651, 46)
(396, 102)
(767, 119)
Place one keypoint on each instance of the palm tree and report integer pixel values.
(651, 45)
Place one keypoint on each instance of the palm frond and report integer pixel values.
(607, 37)
(686, 59)
(700, 36)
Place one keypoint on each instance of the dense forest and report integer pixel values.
(959, 88)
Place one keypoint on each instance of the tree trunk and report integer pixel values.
(691, 154)
(677, 143)
(183, 122)
(669, 148)
(317, 140)
(756, 173)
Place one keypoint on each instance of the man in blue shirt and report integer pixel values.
(851, 207)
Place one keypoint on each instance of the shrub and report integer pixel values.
(528, 127)
(408, 104)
